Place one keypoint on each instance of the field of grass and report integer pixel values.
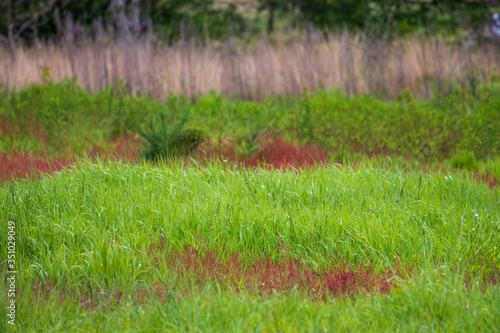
(107, 246)
(319, 213)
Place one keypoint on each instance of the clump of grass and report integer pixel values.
(165, 139)
(354, 213)
(464, 161)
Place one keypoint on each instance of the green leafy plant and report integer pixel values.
(164, 138)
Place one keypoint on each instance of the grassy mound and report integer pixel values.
(107, 246)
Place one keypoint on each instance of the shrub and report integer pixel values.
(167, 140)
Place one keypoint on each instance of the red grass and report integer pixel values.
(25, 165)
(265, 276)
(486, 179)
(273, 152)
(123, 147)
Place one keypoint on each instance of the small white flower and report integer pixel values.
(477, 215)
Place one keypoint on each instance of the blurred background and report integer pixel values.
(251, 49)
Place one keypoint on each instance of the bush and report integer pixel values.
(164, 140)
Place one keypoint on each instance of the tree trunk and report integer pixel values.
(134, 16)
(10, 33)
(120, 20)
(270, 20)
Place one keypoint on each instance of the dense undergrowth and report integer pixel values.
(62, 118)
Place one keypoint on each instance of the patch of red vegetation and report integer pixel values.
(273, 152)
(159, 290)
(127, 146)
(25, 165)
(18, 129)
(486, 179)
(262, 276)
(21, 165)
(124, 147)
(45, 289)
(265, 276)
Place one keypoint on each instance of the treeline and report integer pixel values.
(214, 19)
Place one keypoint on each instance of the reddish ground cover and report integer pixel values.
(126, 147)
(22, 165)
(25, 165)
(263, 277)
(266, 276)
(486, 179)
(272, 152)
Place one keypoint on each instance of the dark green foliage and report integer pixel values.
(51, 24)
(164, 138)
(328, 14)
(174, 19)
(171, 18)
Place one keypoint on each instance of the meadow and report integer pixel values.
(314, 213)
(107, 246)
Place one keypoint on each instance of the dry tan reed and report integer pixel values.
(343, 61)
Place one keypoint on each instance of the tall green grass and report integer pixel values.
(87, 231)
(359, 213)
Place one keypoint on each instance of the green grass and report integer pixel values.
(85, 234)
(388, 211)
(107, 246)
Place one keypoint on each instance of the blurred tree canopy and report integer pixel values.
(403, 16)
(187, 18)
(173, 19)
